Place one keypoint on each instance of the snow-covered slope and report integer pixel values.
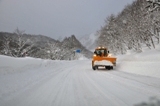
(146, 63)
(89, 41)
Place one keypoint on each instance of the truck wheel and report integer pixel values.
(108, 67)
(111, 67)
(93, 67)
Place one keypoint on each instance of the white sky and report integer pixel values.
(57, 18)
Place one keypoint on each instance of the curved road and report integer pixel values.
(76, 84)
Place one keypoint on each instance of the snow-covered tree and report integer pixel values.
(110, 36)
(53, 50)
(21, 46)
(153, 5)
(5, 48)
(131, 28)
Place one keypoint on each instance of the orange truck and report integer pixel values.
(102, 58)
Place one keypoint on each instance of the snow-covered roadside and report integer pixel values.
(11, 65)
(19, 74)
(146, 63)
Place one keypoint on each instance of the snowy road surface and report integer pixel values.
(74, 83)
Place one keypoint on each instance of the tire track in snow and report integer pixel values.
(76, 84)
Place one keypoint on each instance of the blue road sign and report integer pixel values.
(78, 51)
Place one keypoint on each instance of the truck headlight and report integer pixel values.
(109, 55)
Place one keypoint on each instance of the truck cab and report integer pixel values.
(102, 58)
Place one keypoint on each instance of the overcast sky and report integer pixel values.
(57, 18)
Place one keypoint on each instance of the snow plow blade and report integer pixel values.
(102, 58)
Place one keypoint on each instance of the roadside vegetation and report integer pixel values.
(136, 26)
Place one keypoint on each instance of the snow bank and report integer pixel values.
(82, 58)
(79, 56)
(146, 63)
(10, 64)
(19, 74)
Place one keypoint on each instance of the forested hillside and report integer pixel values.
(19, 44)
(136, 26)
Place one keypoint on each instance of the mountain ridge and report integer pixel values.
(42, 44)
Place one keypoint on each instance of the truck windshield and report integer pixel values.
(101, 52)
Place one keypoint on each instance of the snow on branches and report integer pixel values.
(153, 5)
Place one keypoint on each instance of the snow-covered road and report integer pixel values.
(74, 83)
